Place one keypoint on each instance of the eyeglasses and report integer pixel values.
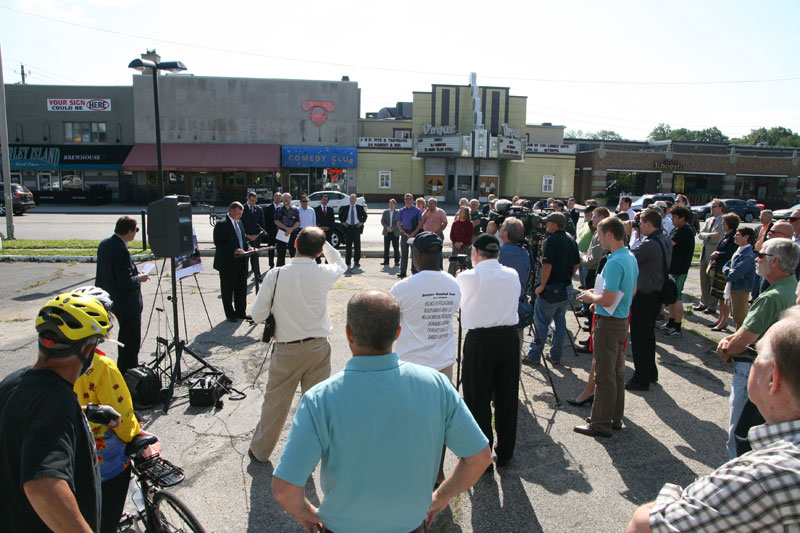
(762, 255)
(137, 230)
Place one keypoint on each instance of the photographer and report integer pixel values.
(652, 255)
(560, 261)
(491, 347)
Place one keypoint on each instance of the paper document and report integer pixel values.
(282, 236)
(598, 290)
(146, 269)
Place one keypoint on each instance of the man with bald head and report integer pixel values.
(378, 428)
(757, 491)
(297, 296)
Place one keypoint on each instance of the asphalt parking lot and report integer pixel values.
(558, 481)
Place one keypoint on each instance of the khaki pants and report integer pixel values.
(306, 363)
(608, 338)
(739, 306)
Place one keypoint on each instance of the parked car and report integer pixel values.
(336, 200)
(639, 202)
(746, 210)
(783, 214)
(756, 203)
(21, 196)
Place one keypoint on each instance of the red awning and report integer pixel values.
(206, 157)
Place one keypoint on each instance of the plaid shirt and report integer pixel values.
(759, 491)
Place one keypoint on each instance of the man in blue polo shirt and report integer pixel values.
(619, 276)
(379, 428)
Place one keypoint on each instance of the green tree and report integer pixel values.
(776, 136)
(662, 132)
(605, 135)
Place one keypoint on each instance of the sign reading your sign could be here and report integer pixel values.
(79, 104)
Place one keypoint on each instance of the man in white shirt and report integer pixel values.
(625, 207)
(491, 365)
(302, 352)
(307, 215)
(428, 302)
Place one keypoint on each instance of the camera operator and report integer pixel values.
(652, 256)
(513, 255)
(489, 293)
(560, 261)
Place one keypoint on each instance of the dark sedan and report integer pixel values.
(746, 210)
(21, 197)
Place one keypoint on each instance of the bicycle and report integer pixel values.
(158, 510)
(213, 216)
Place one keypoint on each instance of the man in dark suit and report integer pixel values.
(253, 220)
(272, 229)
(326, 218)
(230, 243)
(390, 233)
(352, 218)
(117, 275)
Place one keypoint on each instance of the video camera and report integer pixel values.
(461, 260)
(533, 220)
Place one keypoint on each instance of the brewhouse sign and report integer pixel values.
(384, 142)
(79, 104)
(668, 164)
(317, 110)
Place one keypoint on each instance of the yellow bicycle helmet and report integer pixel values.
(72, 317)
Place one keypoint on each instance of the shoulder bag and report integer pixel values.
(269, 325)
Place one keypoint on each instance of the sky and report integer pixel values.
(586, 65)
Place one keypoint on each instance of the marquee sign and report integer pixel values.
(79, 104)
(384, 142)
(318, 110)
(445, 146)
(550, 148)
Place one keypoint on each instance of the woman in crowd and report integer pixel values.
(725, 249)
(461, 236)
(740, 272)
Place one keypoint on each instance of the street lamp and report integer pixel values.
(153, 67)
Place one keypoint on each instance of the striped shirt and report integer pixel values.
(758, 491)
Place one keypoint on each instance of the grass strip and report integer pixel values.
(63, 244)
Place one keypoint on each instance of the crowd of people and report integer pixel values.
(397, 395)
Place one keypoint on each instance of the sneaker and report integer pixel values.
(665, 326)
(672, 332)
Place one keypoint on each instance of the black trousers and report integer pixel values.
(352, 246)
(130, 334)
(271, 242)
(283, 246)
(404, 246)
(644, 311)
(491, 368)
(393, 239)
(254, 265)
(233, 289)
(114, 493)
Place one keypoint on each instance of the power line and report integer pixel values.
(402, 71)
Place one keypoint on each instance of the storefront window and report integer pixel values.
(700, 188)
(768, 190)
(72, 181)
(85, 132)
(49, 182)
(385, 179)
(487, 185)
(620, 183)
(434, 185)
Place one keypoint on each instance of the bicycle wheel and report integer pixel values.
(212, 219)
(172, 515)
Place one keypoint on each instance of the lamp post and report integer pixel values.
(153, 67)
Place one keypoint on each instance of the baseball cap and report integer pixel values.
(559, 218)
(428, 242)
(487, 243)
(661, 204)
(590, 207)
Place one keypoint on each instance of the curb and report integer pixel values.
(64, 258)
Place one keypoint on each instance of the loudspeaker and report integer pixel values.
(169, 226)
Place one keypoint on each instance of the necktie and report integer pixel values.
(238, 233)
(352, 215)
(324, 211)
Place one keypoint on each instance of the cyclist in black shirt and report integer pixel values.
(48, 468)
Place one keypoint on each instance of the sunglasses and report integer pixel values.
(762, 255)
(303, 201)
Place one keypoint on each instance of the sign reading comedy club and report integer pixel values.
(79, 104)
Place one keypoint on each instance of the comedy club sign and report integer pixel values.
(79, 104)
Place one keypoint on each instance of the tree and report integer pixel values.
(776, 136)
(662, 132)
(605, 135)
(574, 134)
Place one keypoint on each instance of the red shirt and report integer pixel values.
(462, 231)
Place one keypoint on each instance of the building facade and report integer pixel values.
(67, 143)
(702, 171)
(463, 141)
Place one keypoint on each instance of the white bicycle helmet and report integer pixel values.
(102, 296)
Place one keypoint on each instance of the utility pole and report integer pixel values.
(6, 161)
(22, 72)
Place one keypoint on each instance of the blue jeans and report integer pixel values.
(543, 313)
(741, 371)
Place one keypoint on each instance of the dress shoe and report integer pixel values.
(244, 317)
(615, 427)
(502, 462)
(384, 263)
(710, 311)
(724, 328)
(356, 265)
(699, 307)
(401, 276)
(530, 362)
(590, 431)
(634, 385)
(576, 403)
(232, 319)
